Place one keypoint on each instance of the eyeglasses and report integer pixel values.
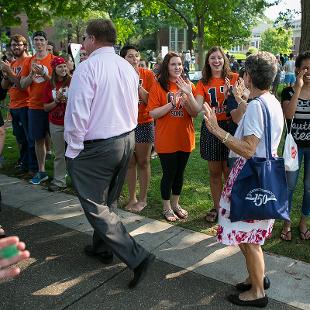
(15, 45)
(86, 36)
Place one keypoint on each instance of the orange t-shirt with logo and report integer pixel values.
(213, 94)
(19, 98)
(146, 79)
(175, 130)
(37, 87)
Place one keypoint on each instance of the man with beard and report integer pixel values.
(35, 75)
(19, 99)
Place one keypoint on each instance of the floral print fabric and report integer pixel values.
(235, 233)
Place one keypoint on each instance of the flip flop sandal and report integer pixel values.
(303, 235)
(212, 216)
(181, 213)
(285, 235)
(170, 216)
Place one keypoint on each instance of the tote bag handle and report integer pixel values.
(267, 131)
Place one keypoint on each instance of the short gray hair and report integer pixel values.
(262, 68)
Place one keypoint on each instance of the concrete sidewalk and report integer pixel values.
(191, 270)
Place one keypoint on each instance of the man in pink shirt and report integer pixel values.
(101, 115)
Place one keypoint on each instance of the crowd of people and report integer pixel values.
(104, 118)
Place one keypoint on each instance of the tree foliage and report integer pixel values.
(74, 27)
(285, 19)
(226, 24)
(39, 12)
(208, 22)
(276, 41)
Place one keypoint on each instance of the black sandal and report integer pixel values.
(303, 235)
(285, 235)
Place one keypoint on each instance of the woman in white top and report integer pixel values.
(260, 70)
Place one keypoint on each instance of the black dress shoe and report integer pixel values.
(259, 303)
(106, 258)
(242, 287)
(141, 270)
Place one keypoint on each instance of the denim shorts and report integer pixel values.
(38, 124)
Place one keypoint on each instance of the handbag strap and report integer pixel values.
(287, 132)
(267, 131)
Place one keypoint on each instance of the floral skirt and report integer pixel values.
(242, 231)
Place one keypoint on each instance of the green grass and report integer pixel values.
(196, 198)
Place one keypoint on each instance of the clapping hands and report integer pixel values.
(239, 91)
(5, 67)
(60, 96)
(210, 118)
(184, 85)
(226, 87)
(300, 78)
(37, 69)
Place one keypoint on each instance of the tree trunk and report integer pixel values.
(305, 26)
(200, 41)
(190, 36)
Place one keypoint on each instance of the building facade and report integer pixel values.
(255, 40)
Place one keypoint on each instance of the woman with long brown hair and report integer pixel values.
(171, 103)
(213, 88)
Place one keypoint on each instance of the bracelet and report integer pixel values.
(226, 138)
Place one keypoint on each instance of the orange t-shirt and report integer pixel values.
(37, 87)
(213, 94)
(175, 130)
(19, 98)
(146, 79)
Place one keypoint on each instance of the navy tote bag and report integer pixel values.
(260, 190)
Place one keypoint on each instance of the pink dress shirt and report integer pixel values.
(102, 100)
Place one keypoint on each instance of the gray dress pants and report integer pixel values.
(98, 174)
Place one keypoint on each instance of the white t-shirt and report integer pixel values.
(252, 123)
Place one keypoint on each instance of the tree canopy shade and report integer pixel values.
(276, 41)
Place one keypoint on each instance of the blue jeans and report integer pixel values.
(292, 178)
(20, 131)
